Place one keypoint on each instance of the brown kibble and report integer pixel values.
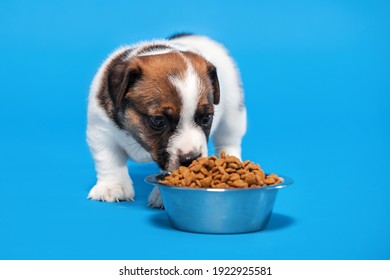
(221, 186)
(188, 180)
(240, 184)
(224, 172)
(221, 169)
(215, 183)
(175, 181)
(233, 165)
(258, 179)
(225, 177)
(234, 177)
(206, 182)
(202, 161)
(204, 171)
(260, 173)
(175, 173)
(199, 176)
(196, 167)
(269, 181)
(241, 171)
(234, 159)
(250, 179)
(183, 169)
(249, 166)
(230, 170)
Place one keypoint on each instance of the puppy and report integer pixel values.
(161, 101)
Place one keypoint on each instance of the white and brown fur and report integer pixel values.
(187, 85)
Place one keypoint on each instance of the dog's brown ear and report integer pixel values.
(121, 78)
(212, 72)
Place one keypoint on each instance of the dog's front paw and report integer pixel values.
(155, 200)
(112, 192)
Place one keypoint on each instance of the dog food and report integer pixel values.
(220, 173)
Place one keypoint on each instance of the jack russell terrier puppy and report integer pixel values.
(161, 101)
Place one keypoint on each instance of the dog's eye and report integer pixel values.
(158, 122)
(206, 120)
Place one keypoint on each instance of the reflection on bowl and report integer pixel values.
(218, 210)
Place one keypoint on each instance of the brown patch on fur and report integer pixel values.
(103, 95)
(135, 89)
(154, 93)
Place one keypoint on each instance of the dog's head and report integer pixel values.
(166, 102)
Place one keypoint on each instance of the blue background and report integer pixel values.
(316, 79)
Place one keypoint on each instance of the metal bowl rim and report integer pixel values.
(152, 179)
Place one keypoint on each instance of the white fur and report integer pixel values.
(229, 124)
(155, 52)
(110, 146)
(188, 137)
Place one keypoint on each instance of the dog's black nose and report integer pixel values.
(186, 159)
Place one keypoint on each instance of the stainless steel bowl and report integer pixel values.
(218, 210)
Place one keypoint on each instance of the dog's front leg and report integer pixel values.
(113, 180)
